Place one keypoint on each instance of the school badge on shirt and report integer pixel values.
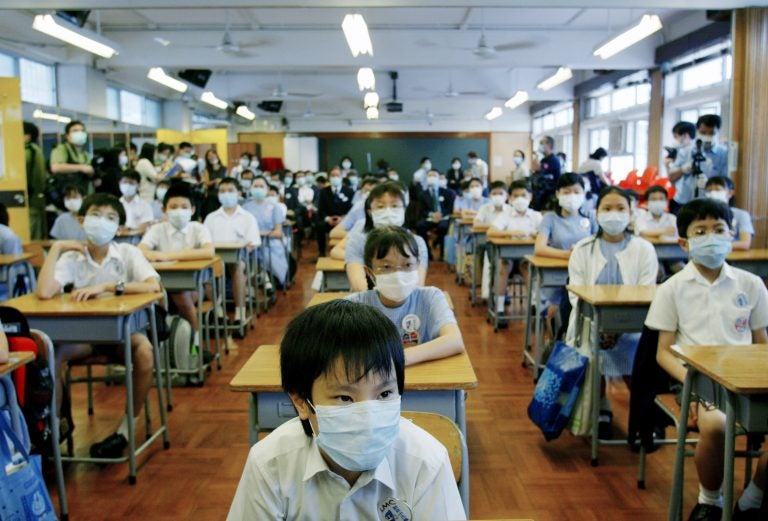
(410, 325)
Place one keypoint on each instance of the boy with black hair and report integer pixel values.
(349, 451)
(67, 225)
(679, 168)
(157, 203)
(716, 155)
(721, 189)
(709, 303)
(656, 222)
(93, 268)
(498, 203)
(138, 212)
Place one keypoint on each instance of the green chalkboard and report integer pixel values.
(403, 153)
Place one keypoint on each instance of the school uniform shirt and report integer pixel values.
(646, 221)
(355, 249)
(10, 244)
(468, 203)
(563, 232)
(123, 262)
(717, 161)
(742, 222)
(157, 209)
(286, 478)
(137, 212)
(702, 313)
(241, 226)
(510, 219)
(356, 214)
(268, 215)
(66, 227)
(488, 212)
(480, 170)
(685, 187)
(418, 319)
(166, 237)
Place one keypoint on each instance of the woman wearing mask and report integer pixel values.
(521, 171)
(243, 164)
(612, 256)
(346, 165)
(213, 172)
(595, 178)
(385, 206)
(150, 176)
(270, 220)
(455, 175)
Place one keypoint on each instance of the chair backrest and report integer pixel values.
(218, 267)
(445, 431)
(39, 254)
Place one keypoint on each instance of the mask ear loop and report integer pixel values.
(314, 411)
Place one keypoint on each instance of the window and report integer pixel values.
(619, 99)
(704, 74)
(7, 65)
(627, 146)
(152, 113)
(129, 107)
(113, 103)
(38, 83)
(692, 114)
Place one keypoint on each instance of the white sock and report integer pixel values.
(196, 338)
(710, 497)
(751, 498)
(500, 304)
(123, 428)
(240, 313)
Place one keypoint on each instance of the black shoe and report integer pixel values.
(503, 324)
(702, 512)
(111, 447)
(207, 357)
(751, 514)
(604, 425)
(238, 330)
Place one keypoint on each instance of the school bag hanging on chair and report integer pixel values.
(181, 347)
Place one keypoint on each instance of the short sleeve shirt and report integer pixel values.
(510, 219)
(356, 214)
(137, 212)
(742, 222)
(488, 212)
(355, 249)
(418, 319)
(267, 214)
(645, 221)
(166, 237)
(67, 228)
(10, 244)
(563, 232)
(65, 153)
(685, 186)
(241, 226)
(123, 262)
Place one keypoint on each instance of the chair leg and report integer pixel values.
(148, 416)
(641, 469)
(89, 375)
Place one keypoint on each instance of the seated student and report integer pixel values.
(10, 244)
(721, 189)
(436, 207)
(426, 324)
(476, 200)
(497, 205)
(656, 222)
(138, 212)
(709, 302)
(246, 181)
(230, 223)
(273, 196)
(157, 202)
(349, 450)
(612, 256)
(67, 226)
(517, 221)
(357, 213)
(270, 220)
(96, 267)
(385, 206)
(176, 239)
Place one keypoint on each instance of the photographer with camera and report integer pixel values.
(680, 164)
(715, 163)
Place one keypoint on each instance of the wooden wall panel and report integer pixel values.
(576, 133)
(655, 117)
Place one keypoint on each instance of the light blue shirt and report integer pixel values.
(685, 187)
(467, 203)
(10, 244)
(418, 319)
(67, 228)
(563, 232)
(355, 214)
(157, 209)
(611, 274)
(355, 249)
(267, 215)
(717, 162)
(742, 222)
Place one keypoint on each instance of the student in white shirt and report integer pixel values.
(498, 204)
(179, 239)
(138, 212)
(710, 302)
(230, 223)
(474, 199)
(656, 222)
(721, 189)
(517, 221)
(96, 267)
(349, 451)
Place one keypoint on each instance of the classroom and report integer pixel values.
(501, 260)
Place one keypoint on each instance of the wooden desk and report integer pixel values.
(477, 240)
(667, 249)
(15, 360)
(734, 379)
(129, 236)
(39, 250)
(334, 241)
(546, 272)
(232, 253)
(612, 309)
(503, 249)
(334, 274)
(106, 320)
(753, 261)
(9, 261)
(322, 298)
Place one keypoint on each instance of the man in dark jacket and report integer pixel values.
(436, 206)
(334, 202)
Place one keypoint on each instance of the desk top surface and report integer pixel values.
(230, 245)
(322, 298)
(740, 369)
(15, 360)
(480, 227)
(608, 294)
(43, 243)
(547, 262)
(63, 305)
(7, 260)
(188, 265)
(261, 373)
(751, 255)
(329, 264)
(502, 241)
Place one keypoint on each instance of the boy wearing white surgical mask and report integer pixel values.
(138, 212)
(656, 222)
(67, 226)
(497, 204)
(345, 380)
(425, 322)
(94, 268)
(385, 206)
(157, 203)
(179, 238)
(721, 189)
(474, 200)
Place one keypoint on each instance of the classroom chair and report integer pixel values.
(210, 314)
(444, 430)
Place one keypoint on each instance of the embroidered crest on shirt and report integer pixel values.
(741, 325)
(410, 325)
(741, 300)
(584, 223)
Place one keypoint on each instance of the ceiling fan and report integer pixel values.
(309, 113)
(486, 51)
(453, 93)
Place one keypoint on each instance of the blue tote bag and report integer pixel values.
(557, 390)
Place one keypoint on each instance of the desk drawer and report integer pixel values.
(273, 409)
(336, 281)
(439, 402)
(625, 319)
(554, 278)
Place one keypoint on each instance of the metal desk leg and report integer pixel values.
(492, 314)
(130, 406)
(200, 335)
(248, 276)
(730, 440)
(461, 420)
(539, 347)
(676, 498)
(594, 367)
(253, 430)
(527, 341)
(158, 378)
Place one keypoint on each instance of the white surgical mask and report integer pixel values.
(122, 161)
(300, 181)
(160, 193)
(128, 189)
(710, 250)
(215, 161)
(180, 217)
(571, 202)
(99, 230)
(228, 199)
(358, 436)
(288, 182)
(520, 204)
(388, 217)
(335, 182)
(246, 183)
(353, 181)
(394, 177)
(432, 181)
(613, 223)
(244, 163)
(518, 160)
(456, 165)
(79, 137)
(397, 286)
(427, 165)
(718, 195)
(442, 183)
(258, 192)
(162, 158)
(498, 200)
(657, 207)
(346, 165)
(542, 150)
(255, 164)
(476, 192)
(73, 205)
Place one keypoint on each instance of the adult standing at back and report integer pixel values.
(594, 165)
(70, 162)
(37, 178)
(548, 175)
(521, 171)
(334, 202)
(145, 166)
(716, 154)
(479, 168)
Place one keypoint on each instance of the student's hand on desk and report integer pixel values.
(156, 256)
(517, 234)
(437, 216)
(82, 294)
(69, 246)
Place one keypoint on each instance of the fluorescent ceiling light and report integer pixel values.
(356, 33)
(158, 74)
(518, 99)
(563, 74)
(39, 114)
(649, 24)
(372, 113)
(365, 79)
(244, 112)
(494, 113)
(371, 100)
(210, 99)
(73, 35)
